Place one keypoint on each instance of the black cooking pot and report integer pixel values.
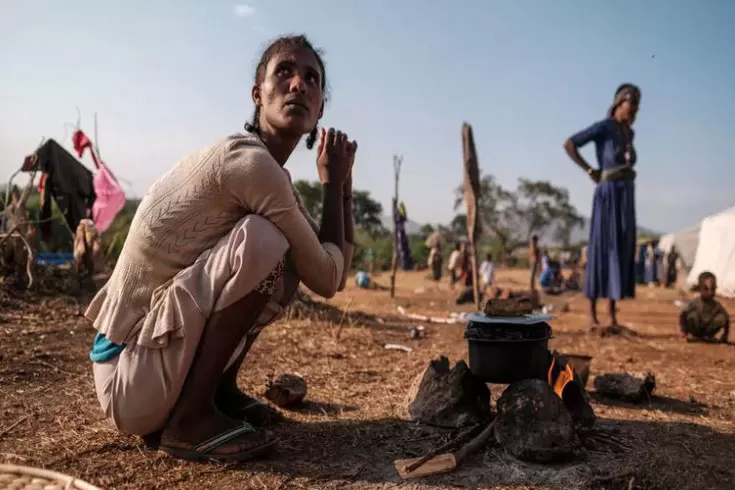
(509, 349)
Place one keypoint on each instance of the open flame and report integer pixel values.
(559, 377)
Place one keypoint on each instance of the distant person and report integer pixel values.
(650, 275)
(487, 272)
(87, 249)
(672, 263)
(466, 275)
(574, 281)
(369, 259)
(545, 256)
(705, 317)
(551, 279)
(611, 252)
(435, 262)
(453, 264)
(534, 255)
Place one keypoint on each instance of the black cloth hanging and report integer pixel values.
(68, 181)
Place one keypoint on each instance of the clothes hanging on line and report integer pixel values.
(110, 196)
(67, 180)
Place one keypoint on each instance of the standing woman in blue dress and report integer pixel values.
(610, 269)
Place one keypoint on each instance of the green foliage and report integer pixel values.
(311, 194)
(419, 252)
(114, 237)
(381, 246)
(512, 217)
(366, 211)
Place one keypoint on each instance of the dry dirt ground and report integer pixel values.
(351, 430)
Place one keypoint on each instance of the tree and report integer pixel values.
(367, 212)
(544, 206)
(458, 226)
(497, 210)
(514, 216)
(311, 194)
(426, 230)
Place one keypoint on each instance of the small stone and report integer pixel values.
(533, 424)
(286, 390)
(632, 387)
(450, 398)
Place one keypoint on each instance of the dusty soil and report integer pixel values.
(350, 431)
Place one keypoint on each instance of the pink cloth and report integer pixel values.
(110, 196)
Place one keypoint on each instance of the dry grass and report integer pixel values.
(350, 432)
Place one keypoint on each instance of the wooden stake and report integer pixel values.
(471, 183)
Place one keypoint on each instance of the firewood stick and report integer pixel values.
(446, 447)
(476, 443)
(444, 462)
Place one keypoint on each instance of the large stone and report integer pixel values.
(450, 398)
(533, 424)
(631, 387)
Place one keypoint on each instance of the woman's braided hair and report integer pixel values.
(280, 45)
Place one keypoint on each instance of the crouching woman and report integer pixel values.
(215, 251)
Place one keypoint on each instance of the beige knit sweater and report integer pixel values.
(189, 209)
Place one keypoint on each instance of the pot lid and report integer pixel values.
(514, 320)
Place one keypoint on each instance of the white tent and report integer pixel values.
(686, 242)
(716, 251)
(665, 242)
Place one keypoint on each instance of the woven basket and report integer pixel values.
(14, 477)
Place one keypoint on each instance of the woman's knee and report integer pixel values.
(137, 403)
(263, 236)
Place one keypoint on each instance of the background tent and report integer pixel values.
(686, 244)
(716, 251)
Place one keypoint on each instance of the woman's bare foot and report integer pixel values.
(214, 436)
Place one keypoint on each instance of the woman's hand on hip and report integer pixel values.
(595, 175)
(335, 156)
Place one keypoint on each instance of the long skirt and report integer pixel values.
(610, 271)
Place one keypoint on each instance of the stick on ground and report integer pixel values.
(446, 462)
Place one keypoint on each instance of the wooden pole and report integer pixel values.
(397, 162)
(471, 186)
(96, 139)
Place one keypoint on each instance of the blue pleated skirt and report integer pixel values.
(611, 250)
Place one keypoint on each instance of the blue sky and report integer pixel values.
(167, 77)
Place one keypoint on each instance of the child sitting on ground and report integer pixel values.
(551, 280)
(704, 317)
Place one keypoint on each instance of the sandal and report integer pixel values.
(203, 450)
